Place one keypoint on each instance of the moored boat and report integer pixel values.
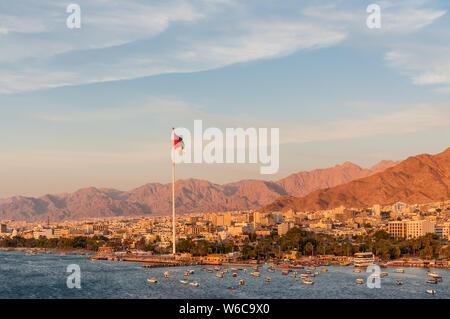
(152, 280)
(431, 291)
(268, 279)
(241, 282)
(166, 274)
(399, 270)
(399, 282)
(255, 273)
(308, 281)
(184, 281)
(359, 281)
(195, 284)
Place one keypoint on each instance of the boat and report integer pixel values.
(438, 278)
(219, 274)
(194, 284)
(308, 281)
(234, 274)
(357, 270)
(431, 291)
(363, 259)
(191, 271)
(271, 270)
(186, 273)
(304, 276)
(359, 281)
(399, 270)
(166, 274)
(284, 272)
(399, 282)
(268, 279)
(308, 272)
(245, 270)
(184, 281)
(231, 288)
(255, 274)
(316, 273)
(383, 274)
(152, 280)
(324, 270)
(241, 282)
(217, 268)
(432, 274)
(311, 268)
(432, 281)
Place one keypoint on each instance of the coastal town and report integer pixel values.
(405, 234)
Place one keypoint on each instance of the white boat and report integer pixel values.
(363, 259)
(219, 274)
(255, 274)
(383, 274)
(433, 274)
(217, 268)
(304, 276)
(432, 281)
(152, 280)
(359, 281)
(184, 281)
(186, 273)
(271, 270)
(166, 274)
(195, 284)
(308, 282)
(357, 270)
(431, 291)
(399, 270)
(191, 271)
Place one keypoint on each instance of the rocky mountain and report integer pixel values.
(418, 179)
(192, 195)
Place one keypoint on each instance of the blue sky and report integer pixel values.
(94, 106)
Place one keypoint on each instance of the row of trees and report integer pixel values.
(80, 242)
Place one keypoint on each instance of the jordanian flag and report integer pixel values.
(178, 143)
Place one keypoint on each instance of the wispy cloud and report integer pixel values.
(414, 119)
(428, 65)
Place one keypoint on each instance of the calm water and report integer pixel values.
(44, 276)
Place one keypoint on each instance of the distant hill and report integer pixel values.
(418, 179)
(192, 195)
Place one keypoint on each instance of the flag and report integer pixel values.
(178, 143)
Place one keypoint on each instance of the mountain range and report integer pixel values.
(419, 179)
(192, 195)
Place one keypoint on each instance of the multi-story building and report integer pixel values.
(417, 228)
(410, 228)
(446, 230)
(397, 229)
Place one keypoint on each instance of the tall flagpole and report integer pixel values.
(173, 193)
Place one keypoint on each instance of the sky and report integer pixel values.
(94, 106)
